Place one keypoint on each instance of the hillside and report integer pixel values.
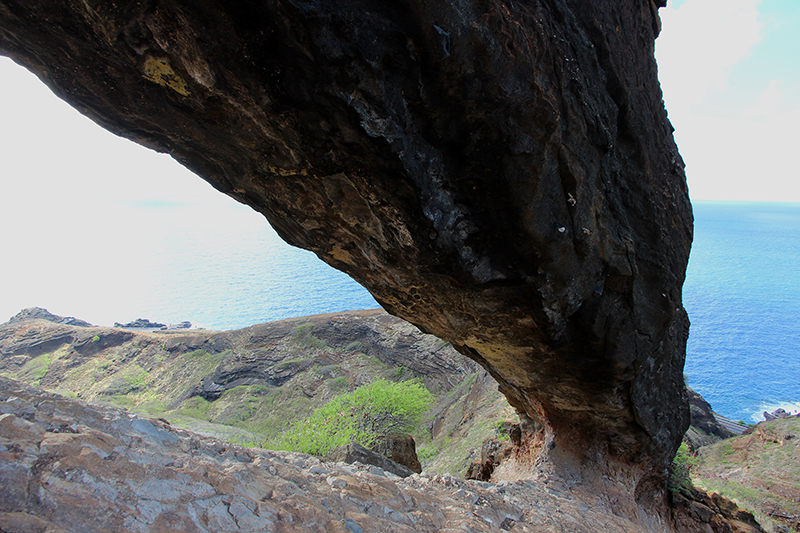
(247, 385)
(759, 470)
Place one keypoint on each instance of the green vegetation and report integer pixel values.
(400, 373)
(380, 408)
(294, 363)
(338, 384)
(136, 378)
(302, 337)
(327, 371)
(680, 471)
(36, 369)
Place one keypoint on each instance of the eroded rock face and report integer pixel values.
(501, 174)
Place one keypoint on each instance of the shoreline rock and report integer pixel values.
(140, 323)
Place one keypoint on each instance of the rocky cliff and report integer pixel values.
(500, 173)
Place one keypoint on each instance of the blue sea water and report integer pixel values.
(234, 271)
(742, 292)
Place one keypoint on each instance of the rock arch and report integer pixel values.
(501, 173)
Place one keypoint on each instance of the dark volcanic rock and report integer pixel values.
(39, 313)
(704, 429)
(399, 448)
(500, 173)
(354, 452)
(493, 452)
(141, 323)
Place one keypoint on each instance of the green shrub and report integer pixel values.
(303, 337)
(339, 384)
(380, 408)
(399, 373)
(136, 378)
(679, 472)
(195, 407)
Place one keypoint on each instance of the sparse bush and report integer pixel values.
(302, 336)
(679, 472)
(399, 373)
(355, 346)
(379, 408)
(34, 370)
(339, 384)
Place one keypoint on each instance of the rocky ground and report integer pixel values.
(123, 463)
(68, 466)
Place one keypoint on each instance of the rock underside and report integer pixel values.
(501, 174)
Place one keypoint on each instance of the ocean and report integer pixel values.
(742, 292)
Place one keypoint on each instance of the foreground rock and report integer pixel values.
(355, 453)
(501, 174)
(69, 467)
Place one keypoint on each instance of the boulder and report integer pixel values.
(493, 452)
(399, 448)
(356, 453)
(705, 429)
(776, 414)
(140, 323)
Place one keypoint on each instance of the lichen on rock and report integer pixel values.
(160, 71)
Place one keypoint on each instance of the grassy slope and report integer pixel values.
(759, 471)
(153, 374)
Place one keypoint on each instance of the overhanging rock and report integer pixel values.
(500, 173)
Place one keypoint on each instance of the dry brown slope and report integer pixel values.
(760, 471)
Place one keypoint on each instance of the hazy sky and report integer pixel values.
(71, 194)
(730, 73)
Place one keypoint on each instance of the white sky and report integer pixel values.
(730, 72)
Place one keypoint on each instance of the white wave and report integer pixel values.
(793, 408)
